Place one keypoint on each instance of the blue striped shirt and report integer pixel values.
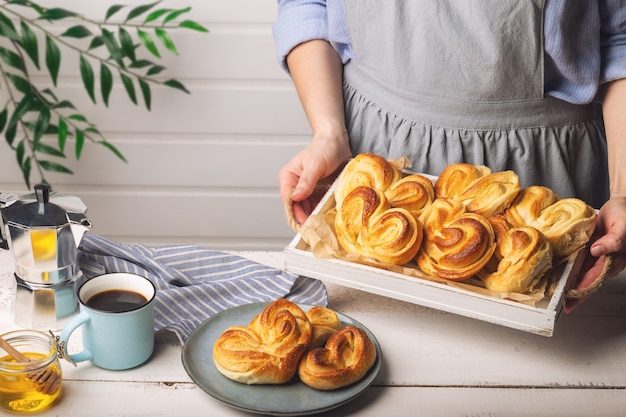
(584, 40)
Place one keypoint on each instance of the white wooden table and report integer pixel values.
(434, 364)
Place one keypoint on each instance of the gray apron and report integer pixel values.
(447, 81)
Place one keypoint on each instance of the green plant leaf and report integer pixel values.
(190, 24)
(28, 3)
(57, 13)
(129, 87)
(113, 47)
(12, 59)
(80, 142)
(23, 107)
(139, 10)
(8, 31)
(50, 93)
(48, 150)
(9, 134)
(155, 70)
(54, 167)
(62, 134)
(41, 126)
(177, 85)
(127, 43)
(156, 14)
(92, 129)
(53, 59)
(147, 94)
(26, 167)
(86, 73)
(175, 14)
(29, 43)
(64, 104)
(21, 84)
(20, 151)
(166, 40)
(78, 31)
(112, 10)
(77, 117)
(4, 115)
(113, 149)
(106, 83)
(147, 41)
(8, 22)
(96, 42)
(31, 125)
(141, 63)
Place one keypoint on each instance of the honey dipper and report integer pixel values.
(47, 380)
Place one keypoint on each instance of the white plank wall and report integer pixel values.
(201, 167)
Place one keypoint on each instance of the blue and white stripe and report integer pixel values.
(194, 283)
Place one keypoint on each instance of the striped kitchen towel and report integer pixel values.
(194, 283)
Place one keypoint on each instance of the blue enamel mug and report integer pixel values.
(116, 319)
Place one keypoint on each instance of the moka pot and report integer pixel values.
(44, 238)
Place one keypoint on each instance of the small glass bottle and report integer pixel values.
(33, 385)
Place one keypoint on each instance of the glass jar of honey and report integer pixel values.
(31, 379)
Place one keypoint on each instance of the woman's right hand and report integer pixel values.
(316, 70)
(322, 158)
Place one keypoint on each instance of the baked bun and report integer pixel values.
(368, 170)
(568, 223)
(268, 350)
(324, 322)
(477, 188)
(345, 359)
(456, 244)
(366, 225)
(529, 204)
(456, 178)
(414, 193)
(523, 255)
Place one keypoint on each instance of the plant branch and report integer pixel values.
(35, 113)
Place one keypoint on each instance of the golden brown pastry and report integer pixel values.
(456, 244)
(477, 188)
(268, 350)
(523, 255)
(324, 322)
(366, 225)
(365, 170)
(568, 223)
(344, 360)
(456, 178)
(529, 204)
(414, 193)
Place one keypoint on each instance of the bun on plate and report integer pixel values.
(268, 350)
(344, 360)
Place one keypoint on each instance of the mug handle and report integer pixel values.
(77, 321)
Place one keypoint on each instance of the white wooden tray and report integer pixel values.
(540, 319)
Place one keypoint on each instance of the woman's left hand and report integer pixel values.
(609, 240)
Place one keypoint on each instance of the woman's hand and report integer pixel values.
(316, 70)
(322, 158)
(609, 239)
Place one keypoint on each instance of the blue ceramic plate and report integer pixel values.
(291, 399)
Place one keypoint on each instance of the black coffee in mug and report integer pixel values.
(116, 301)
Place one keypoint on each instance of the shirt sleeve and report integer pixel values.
(298, 21)
(613, 40)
